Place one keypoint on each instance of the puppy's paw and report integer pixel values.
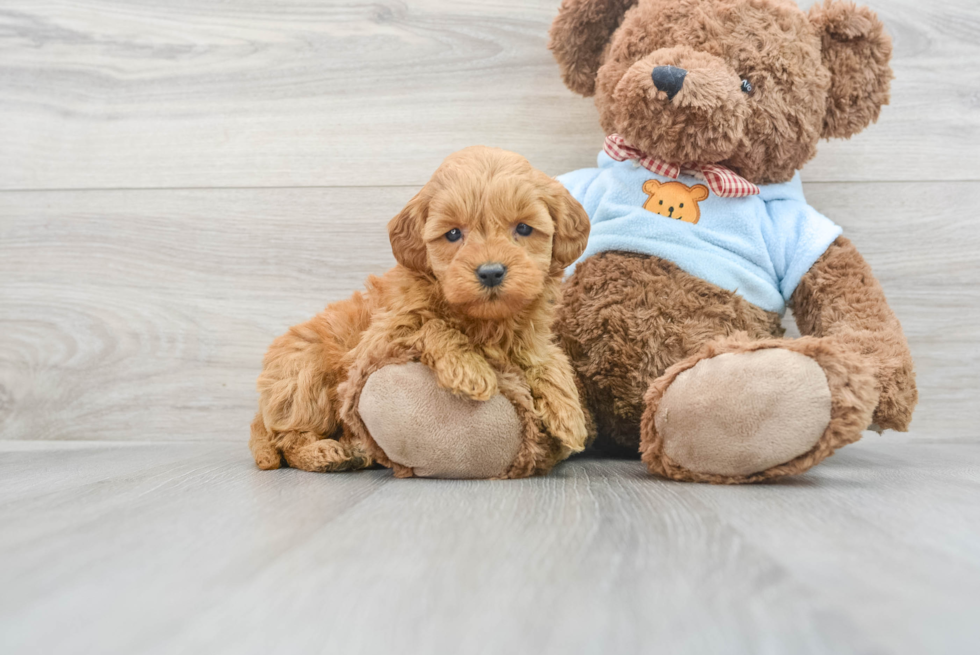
(478, 388)
(566, 422)
(323, 456)
(468, 375)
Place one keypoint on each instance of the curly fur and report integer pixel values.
(706, 121)
(431, 308)
(840, 298)
(856, 50)
(825, 73)
(579, 35)
(625, 319)
(632, 323)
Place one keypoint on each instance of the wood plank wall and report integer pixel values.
(181, 181)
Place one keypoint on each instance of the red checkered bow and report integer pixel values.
(723, 181)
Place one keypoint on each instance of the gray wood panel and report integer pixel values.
(204, 93)
(167, 548)
(143, 315)
(180, 181)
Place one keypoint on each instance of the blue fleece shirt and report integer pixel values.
(759, 247)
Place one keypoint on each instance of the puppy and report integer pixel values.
(481, 250)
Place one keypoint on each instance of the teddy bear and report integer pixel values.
(702, 237)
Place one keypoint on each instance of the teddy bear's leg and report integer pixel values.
(742, 411)
(427, 431)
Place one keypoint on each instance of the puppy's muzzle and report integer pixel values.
(491, 275)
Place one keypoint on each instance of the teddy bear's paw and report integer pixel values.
(434, 432)
(739, 414)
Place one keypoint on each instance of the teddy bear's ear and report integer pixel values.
(580, 34)
(857, 52)
(405, 233)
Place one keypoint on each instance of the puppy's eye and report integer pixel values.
(524, 229)
(747, 87)
(454, 234)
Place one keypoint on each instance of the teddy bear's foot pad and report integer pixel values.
(741, 413)
(435, 432)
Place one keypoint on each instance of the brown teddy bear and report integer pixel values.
(672, 317)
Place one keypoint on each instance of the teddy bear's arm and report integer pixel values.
(840, 298)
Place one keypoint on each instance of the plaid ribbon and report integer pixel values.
(723, 181)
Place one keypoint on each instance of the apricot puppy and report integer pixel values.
(481, 250)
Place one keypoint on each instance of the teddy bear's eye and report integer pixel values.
(454, 234)
(747, 87)
(682, 205)
(661, 202)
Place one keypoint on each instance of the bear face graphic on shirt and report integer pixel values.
(675, 200)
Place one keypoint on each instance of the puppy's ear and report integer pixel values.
(405, 233)
(580, 34)
(857, 52)
(571, 225)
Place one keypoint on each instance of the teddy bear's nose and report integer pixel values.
(669, 79)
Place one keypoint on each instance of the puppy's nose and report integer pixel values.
(491, 275)
(669, 79)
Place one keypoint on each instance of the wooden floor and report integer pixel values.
(180, 181)
(186, 548)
